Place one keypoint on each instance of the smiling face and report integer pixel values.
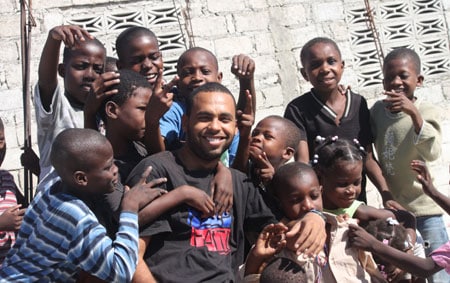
(211, 125)
(195, 68)
(81, 68)
(268, 137)
(300, 194)
(341, 183)
(142, 55)
(323, 67)
(400, 75)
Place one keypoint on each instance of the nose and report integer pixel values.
(214, 124)
(197, 75)
(256, 138)
(307, 205)
(115, 169)
(350, 190)
(90, 74)
(146, 64)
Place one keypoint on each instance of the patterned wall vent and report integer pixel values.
(417, 24)
(165, 21)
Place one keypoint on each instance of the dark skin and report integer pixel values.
(421, 267)
(323, 68)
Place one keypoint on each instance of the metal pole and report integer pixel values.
(26, 22)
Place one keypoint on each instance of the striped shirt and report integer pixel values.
(8, 191)
(60, 236)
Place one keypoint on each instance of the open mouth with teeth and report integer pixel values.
(151, 77)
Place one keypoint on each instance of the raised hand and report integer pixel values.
(243, 66)
(162, 98)
(398, 101)
(265, 170)
(246, 118)
(271, 240)
(69, 34)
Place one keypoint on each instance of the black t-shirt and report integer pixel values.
(183, 245)
(313, 118)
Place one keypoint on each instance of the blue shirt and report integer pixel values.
(60, 235)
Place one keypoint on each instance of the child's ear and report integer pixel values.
(80, 178)
(61, 70)
(111, 109)
(303, 72)
(343, 64)
(420, 79)
(288, 153)
(219, 77)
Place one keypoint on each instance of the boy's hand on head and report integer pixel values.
(199, 200)
(270, 241)
(307, 235)
(360, 238)
(222, 190)
(142, 193)
(100, 90)
(399, 102)
(11, 219)
(242, 66)
(246, 118)
(423, 176)
(69, 34)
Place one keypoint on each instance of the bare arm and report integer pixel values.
(422, 267)
(244, 69)
(428, 188)
(245, 122)
(302, 153)
(183, 194)
(366, 213)
(143, 273)
(48, 64)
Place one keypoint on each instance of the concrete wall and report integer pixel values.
(270, 31)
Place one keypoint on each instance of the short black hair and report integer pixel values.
(287, 172)
(111, 64)
(67, 53)
(180, 61)
(283, 270)
(291, 131)
(304, 53)
(404, 52)
(129, 34)
(129, 82)
(208, 87)
(71, 148)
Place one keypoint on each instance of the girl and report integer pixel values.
(339, 166)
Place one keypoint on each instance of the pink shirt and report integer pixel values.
(441, 256)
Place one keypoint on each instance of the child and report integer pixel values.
(391, 233)
(273, 142)
(11, 213)
(124, 116)
(60, 235)
(325, 111)
(138, 50)
(59, 108)
(406, 128)
(339, 166)
(298, 191)
(424, 267)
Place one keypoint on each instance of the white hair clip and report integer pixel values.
(391, 221)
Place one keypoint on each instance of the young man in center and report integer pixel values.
(212, 246)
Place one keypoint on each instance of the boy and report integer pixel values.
(11, 213)
(325, 111)
(60, 235)
(60, 108)
(273, 142)
(406, 128)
